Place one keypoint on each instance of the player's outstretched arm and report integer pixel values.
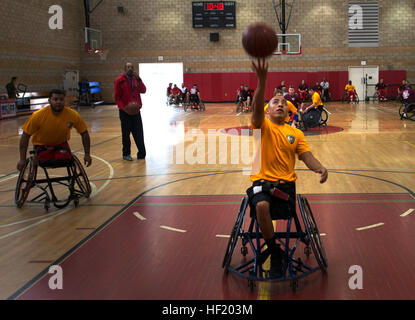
(261, 70)
(86, 142)
(314, 165)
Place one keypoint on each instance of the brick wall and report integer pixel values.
(30, 50)
(149, 29)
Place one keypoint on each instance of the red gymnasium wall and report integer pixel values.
(222, 86)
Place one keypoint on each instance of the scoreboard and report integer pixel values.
(214, 14)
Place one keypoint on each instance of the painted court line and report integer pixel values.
(223, 236)
(172, 229)
(407, 212)
(370, 227)
(139, 216)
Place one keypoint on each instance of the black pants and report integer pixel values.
(134, 125)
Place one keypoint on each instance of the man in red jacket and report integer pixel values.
(127, 89)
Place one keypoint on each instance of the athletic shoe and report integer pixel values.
(127, 158)
(140, 157)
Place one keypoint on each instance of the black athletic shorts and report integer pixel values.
(279, 209)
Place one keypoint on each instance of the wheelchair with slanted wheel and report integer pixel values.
(75, 182)
(295, 265)
(407, 111)
(313, 118)
(194, 103)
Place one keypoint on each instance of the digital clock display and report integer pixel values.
(214, 6)
(214, 14)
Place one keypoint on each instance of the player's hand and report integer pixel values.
(87, 160)
(324, 174)
(21, 164)
(260, 68)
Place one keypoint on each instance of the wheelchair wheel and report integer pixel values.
(81, 178)
(202, 106)
(24, 183)
(236, 233)
(185, 106)
(344, 97)
(324, 117)
(375, 96)
(357, 99)
(407, 111)
(238, 106)
(313, 233)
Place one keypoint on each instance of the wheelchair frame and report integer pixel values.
(344, 98)
(77, 182)
(407, 111)
(294, 268)
(188, 103)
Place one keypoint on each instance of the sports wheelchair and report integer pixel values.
(242, 106)
(195, 104)
(344, 98)
(294, 268)
(407, 111)
(314, 118)
(76, 181)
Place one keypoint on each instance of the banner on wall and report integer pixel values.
(8, 108)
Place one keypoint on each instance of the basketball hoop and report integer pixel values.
(102, 53)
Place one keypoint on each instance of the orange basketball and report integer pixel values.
(259, 40)
(132, 108)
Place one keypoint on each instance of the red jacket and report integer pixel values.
(123, 91)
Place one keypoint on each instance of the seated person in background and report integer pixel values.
(239, 92)
(4, 96)
(281, 87)
(250, 94)
(293, 97)
(175, 93)
(11, 89)
(318, 88)
(169, 90)
(316, 99)
(302, 90)
(280, 144)
(381, 88)
(325, 87)
(351, 91)
(404, 86)
(51, 126)
(193, 95)
(184, 92)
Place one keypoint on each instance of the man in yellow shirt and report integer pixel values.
(351, 91)
(279, 145)
(51, 126)
(316, 99)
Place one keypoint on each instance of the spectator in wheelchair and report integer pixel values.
(279, 145)
(168, 91)
(350, 90)
(175, 93)
(281, 87)
(249, 94)
(51, 126)
(193, 96)
(11, 88)
(404, 86)
(240, 93)
(381, 89)
(302, 90)
(184, 92)
(292, 116)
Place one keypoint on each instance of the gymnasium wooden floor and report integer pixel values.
(113, 247)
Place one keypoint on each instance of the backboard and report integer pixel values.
(93, 40)
(289, 43)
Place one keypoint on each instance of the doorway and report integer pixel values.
(156, 77)
(364, 79)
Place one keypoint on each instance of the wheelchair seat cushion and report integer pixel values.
(54, 156)
(279, 208)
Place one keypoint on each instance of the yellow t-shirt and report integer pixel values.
(290, 106)
(317, 99)
(50, 129)
(350, 87)
(279, 144)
